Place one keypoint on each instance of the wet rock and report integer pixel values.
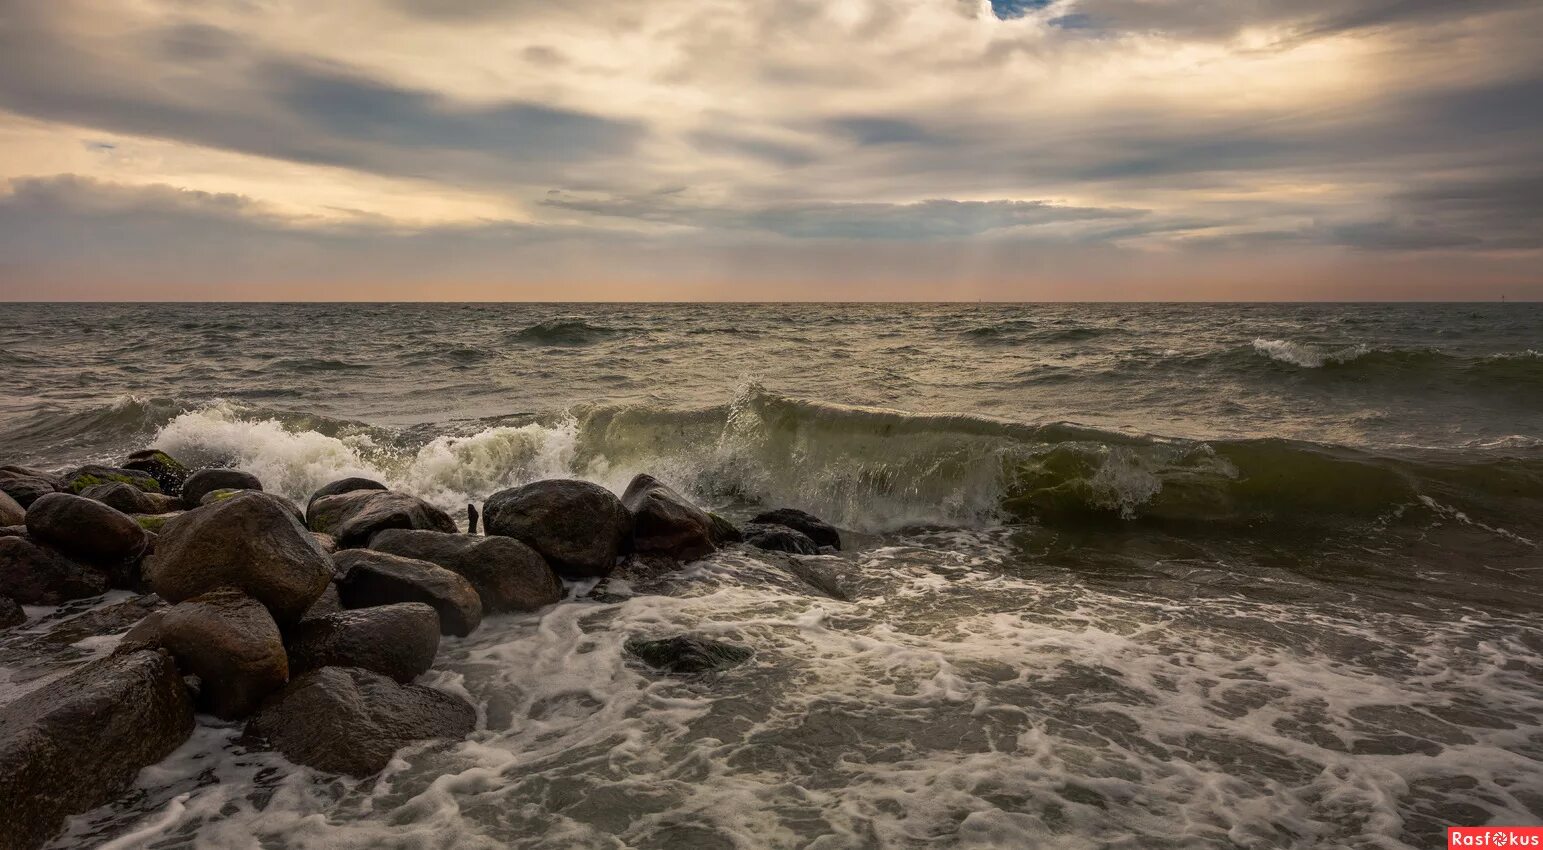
(251, 543)
(165, 469)
(327, 542)
(78, 742)
(578, 527)
(779, 538)
(471, 518)
(665, 523)
(393, 640)
(13, 531)
(207, 480)
(354, 517)
(25, 489)
(11, 613)
(228, 493)
(508, 575)
(85, 529)
(11, 511)
(812, 527)
(130, 499)
(723, 531)
(225, 638)
(36, 575)
(344, 485)
(153, 523)
(687, 654)
(367, 578)
(92, 474)
(352, 721)
(327, 603)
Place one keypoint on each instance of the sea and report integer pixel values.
(1114, 575)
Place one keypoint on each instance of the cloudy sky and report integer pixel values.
(771, 149)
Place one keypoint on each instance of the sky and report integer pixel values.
(771, 150)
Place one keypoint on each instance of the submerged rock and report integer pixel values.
(78, 742)
(251, 543)
(207, 480)
(93, 474)
(687, 654)
(225, 638)
(36, 575)
(508, 575)
(809, 525)
(343, 485)
(130, 499)
(85, 528)
(11, 613)
(354, 517)
(665, 523)
(352, 721)
(11, 511)
(578, 527)
(367, 578)
(165, 469)
(779, 538)
(393, 640)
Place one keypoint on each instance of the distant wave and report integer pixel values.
(1023, 331)
(1500, 370)
(314, 364)
(560, 332)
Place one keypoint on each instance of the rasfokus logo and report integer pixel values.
(1494, 836)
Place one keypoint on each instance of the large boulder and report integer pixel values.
(207, 480)
(724, 531)
(356, 516)
(165, 469)
(93, 474)
(25, 489)
(665, 523)
(393, 640)
(809, 525)
(130, 499)
(687, 654)
(250, 542)
(11, 511)
(352, 721)
(367, 578)
(35, 575)
(86, 529)
(344, 485)
(778, 538)
(578, 527)
(225, 638)
(508, 575)
(78, 742)
(231, 493)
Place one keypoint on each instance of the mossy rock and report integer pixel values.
(155, 522)
(165, 469)
(90, 476)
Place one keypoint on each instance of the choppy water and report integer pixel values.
(1130, 576)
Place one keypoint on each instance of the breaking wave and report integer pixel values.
(561, 332)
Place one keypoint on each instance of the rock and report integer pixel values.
(130, 499)
(471, 518)
(34, 575)
(723, 531)
(86, 529)
(165, 469)
(225, 638)
(226, 493)
(153, 523)
(78, 742)
(393, 640)
(353, 518)
(327, 542)
(11, 613)
(778, 538)
(207, 480)
(325, 604)
(251, 543)
(25, 489)
(665, 523)
(93, 474)
(578, 527)
(812, 527)
(685, 654)
(11, 511)
(344, 485)
(13, 471)
(367, 578)
(508, 575)
(352, 721)
(13, 531)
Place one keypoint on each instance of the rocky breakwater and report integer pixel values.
(311, 626)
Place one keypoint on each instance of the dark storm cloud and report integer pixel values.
(933, 219)
(1221, 19)
(223, 93)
